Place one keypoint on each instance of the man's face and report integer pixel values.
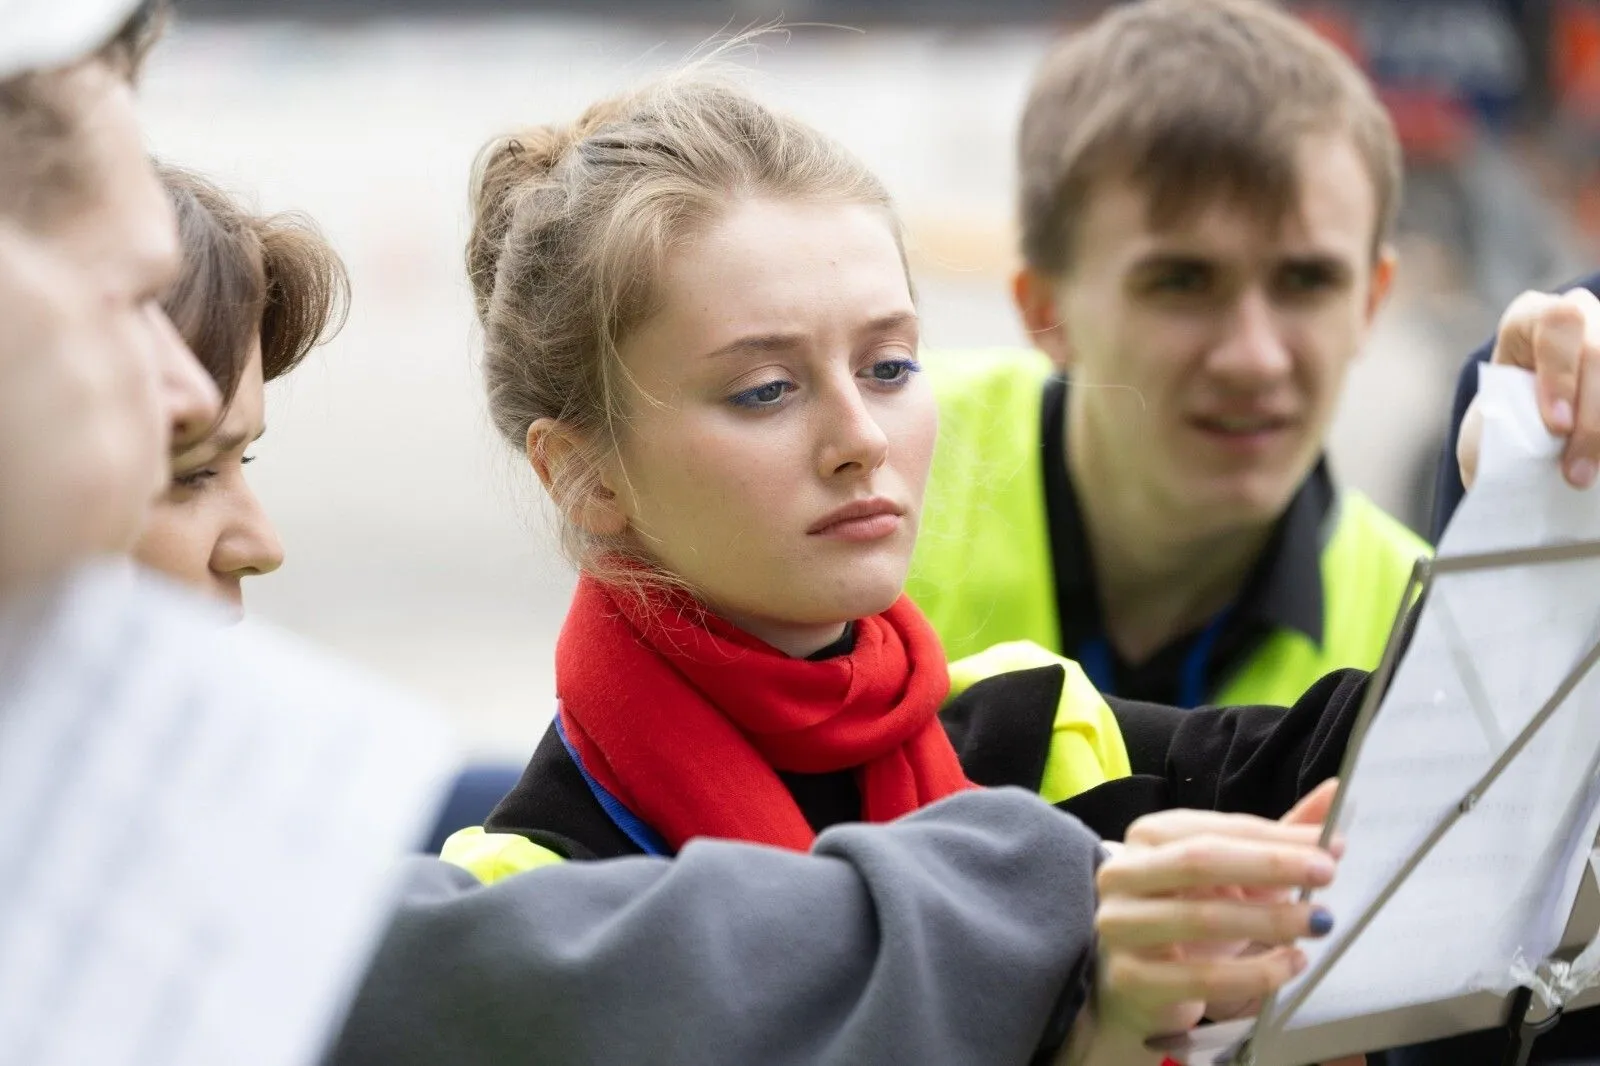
(122, 240)
(1207, 359)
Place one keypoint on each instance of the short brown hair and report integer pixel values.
(245, 276)
(41, 154)
(1191, 101)
(571, 226)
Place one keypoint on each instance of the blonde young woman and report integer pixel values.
(700, 329)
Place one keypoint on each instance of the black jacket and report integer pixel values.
(1254, 760)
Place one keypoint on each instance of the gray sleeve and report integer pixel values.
(946, 938)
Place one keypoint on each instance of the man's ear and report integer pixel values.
(1038, 305)
(579, 488)
(1383, 271)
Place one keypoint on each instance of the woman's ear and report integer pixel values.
(557, 454)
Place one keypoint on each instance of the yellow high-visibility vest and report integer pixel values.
(983, 572)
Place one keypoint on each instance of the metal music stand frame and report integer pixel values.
(1265, 1041)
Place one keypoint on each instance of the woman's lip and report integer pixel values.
(874, 507)
(867, 527)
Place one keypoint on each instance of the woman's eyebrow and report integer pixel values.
(891, 322)
(759, 344)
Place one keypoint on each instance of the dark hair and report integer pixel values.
(42, 164)
(246, 276)
(1190, 101)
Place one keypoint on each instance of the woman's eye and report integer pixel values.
(762, 395)
(193, 479)
(893, 371)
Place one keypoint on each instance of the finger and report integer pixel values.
(1521, 341)
(1314, 809)
(1470, 443)
(1514, 336)
(1136, 924)
(1157, 983)
(1580, 459)
(1314, 806)
(1164, 827)
(1557, 353)
(1208, 862)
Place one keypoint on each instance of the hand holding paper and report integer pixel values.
(1558, 338)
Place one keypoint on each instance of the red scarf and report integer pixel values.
(686, 719)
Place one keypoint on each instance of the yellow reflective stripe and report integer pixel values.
(492, 857)
(982, 571)
(1086, 745)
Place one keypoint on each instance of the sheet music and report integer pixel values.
(1489, 650)
(198, 828)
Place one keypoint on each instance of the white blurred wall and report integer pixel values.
(415, 540)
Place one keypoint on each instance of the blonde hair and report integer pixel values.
(572, 226)
(1190, 101)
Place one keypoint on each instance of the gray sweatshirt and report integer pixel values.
(957, 935)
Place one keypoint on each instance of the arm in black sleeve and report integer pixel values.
(958, 935)
(1249, 760)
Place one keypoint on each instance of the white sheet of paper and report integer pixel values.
(1489, 649)
(198, 829)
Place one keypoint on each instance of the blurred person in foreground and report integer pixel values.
(95, 387)
(1207, 190)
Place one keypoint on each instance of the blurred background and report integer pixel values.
(417, 542)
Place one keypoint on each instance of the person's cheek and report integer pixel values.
(174, 544)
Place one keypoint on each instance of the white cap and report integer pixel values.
(46, 33)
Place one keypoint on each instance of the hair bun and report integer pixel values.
(512, 164)
(507, 166)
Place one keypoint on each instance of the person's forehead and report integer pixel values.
(769, 260)
(1327, 215)
(241, 424)
(125, 214)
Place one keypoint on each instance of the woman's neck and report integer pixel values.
(795, 641)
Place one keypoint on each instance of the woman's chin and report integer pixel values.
(870, 594)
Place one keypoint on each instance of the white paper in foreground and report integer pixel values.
(198, 828)
(1489, 650)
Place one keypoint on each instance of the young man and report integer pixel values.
(1207, 188)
